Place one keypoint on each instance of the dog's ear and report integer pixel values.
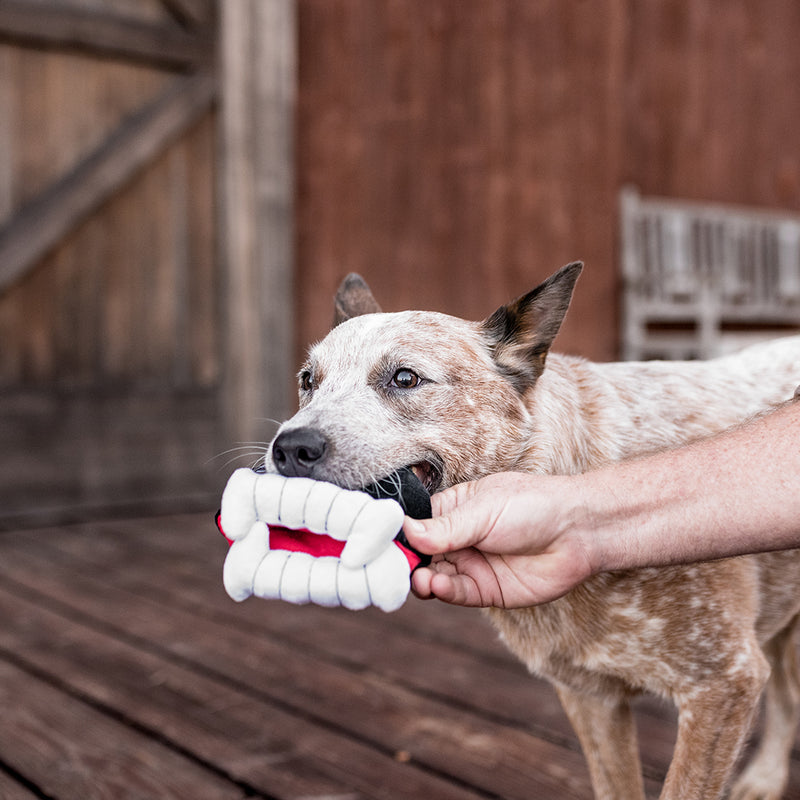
(353, 299)
(519, 335)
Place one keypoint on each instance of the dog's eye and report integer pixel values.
(306, 381)
(405, 379)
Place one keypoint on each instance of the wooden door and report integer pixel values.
(109, 311)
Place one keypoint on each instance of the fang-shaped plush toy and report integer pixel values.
(307, 541)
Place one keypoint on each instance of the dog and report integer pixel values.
(457, 400)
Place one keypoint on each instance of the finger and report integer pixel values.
(459, 590)
(421, 578)
(445, 502)
(454, 530)
(421, 535)
(421, 583)
(442, 582)
(463, 578)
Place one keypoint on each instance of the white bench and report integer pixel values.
(701, 280)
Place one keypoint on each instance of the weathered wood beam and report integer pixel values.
(39, 226)
(63, 27)
(192, 13)
(258, 85)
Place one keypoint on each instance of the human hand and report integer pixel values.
(508, 540)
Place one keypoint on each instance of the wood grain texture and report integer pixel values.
(123, 625)
(78, 453)
(53, 24)
(69, 749)
(109, 309)
(713, 109)
(40, 225)
(457, 152)
(280, 693)
(256, 238)
(14, 786)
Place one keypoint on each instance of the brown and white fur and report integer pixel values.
(459, 400)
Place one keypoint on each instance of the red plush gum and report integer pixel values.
(301, 540)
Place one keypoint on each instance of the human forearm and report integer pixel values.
(518, 539)
(735, 493)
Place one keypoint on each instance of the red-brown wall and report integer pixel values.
(456, 152)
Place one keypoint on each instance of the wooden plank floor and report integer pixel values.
(126, 672)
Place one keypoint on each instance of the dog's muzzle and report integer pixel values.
(297, 451)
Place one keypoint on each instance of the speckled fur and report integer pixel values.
(706, 636)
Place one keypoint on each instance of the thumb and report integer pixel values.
(453, 530)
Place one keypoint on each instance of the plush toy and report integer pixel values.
(307, 541)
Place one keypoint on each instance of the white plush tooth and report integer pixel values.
(372, 532)
(389, 579)
(268, 491)
(318, 505)
(268, 577)
(343, 512)
(243, 559)
(294, 587)
(291, 512)
(353, 589)
(323, 582)
(237, 509)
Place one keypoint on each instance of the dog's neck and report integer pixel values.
(567, 414)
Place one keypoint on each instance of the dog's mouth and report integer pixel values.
(428, 474)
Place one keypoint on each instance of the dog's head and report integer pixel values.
(442, 395)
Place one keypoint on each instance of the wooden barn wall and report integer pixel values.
(147, 255)
(713, 109)
(109, 344)
(109, 357)
(455, 152)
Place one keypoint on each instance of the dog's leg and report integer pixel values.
(607, 733)
(713, 723)
(766, 775)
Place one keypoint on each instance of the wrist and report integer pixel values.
(634, 514)
(607, 522)
(586, 526)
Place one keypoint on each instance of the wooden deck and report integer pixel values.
(126, 672)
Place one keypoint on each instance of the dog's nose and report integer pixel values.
(296, 452)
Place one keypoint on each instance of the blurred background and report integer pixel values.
(183, 184)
